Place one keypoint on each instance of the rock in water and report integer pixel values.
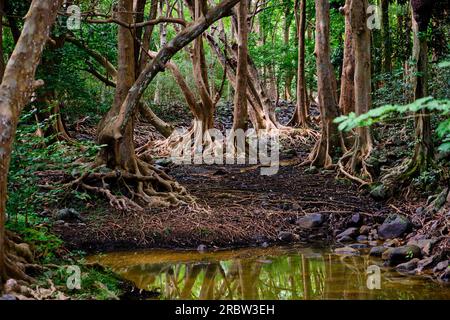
(441, 266)
(310, 221)
(408, 266)
(394, 226)
(394, 256)
(346, 251)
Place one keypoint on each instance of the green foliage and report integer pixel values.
(46, 246)
(438, 106)
(96, 283)
(33, 154)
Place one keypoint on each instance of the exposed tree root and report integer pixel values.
(195, 139)
(18, 260)
(297, 137)
(401, 176)
(320, 155)
(353, 163)
(136, 189)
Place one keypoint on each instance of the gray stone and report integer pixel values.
(394, 226)
(310, 221)
(356, 220)
(202, 248)
(441, 266)
(394, 256)
(68, 214)
(59, 222)
(424, 244)
(8, 297)
(361, 238)
(346, 251)
(377, 251)
(424, 263)
(350, 232)
(408, 266)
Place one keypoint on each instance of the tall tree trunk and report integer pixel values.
(329, 144)
(289, 74)
(301, 111)
(147, 37)
(162, 43)
(355, 159)
(204, 113)
(121, 155)
(15, 90)
(240, 101)
(423, 150)
(386, 34)
(2, 59)
(347, 97)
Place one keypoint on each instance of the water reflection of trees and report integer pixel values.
(295, 276)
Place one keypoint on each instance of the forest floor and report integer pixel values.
(235, 206)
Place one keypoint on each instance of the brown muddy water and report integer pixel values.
(272, 273)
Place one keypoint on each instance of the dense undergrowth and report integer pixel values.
(30, 210)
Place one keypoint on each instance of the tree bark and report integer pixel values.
(362, 79)
(2, 60)
(301, 112)
(347, 96)
(240, 100)
(148, 32)
(15, 90)
(353, 164)
(423, 150)
(289, 74)
(386, 34)
(121, 155)
(330, 142)
(162, 43)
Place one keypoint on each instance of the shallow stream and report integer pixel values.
(270, 273)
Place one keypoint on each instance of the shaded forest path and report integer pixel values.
(235, 206)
